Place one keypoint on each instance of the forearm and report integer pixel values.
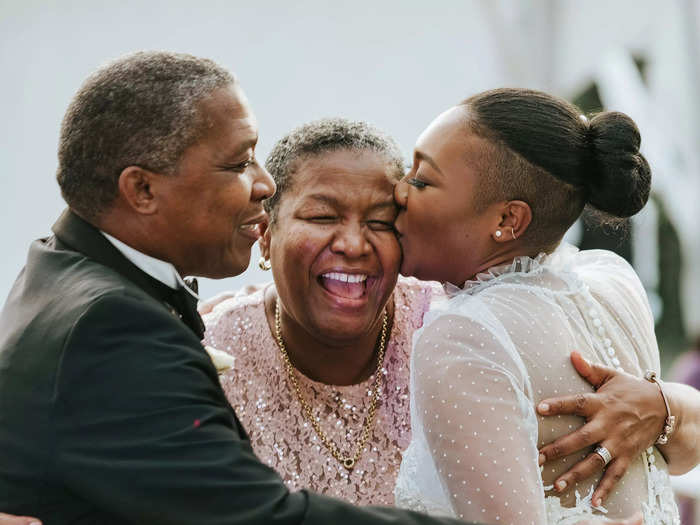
(682, 452)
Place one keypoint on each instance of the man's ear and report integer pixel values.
(264, 240)
(135, 189)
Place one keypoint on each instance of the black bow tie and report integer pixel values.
(192, 284)
(186, 305)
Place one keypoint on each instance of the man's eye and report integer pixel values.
(242, 166)
(381, 225)
(417, 183)
(322, 218)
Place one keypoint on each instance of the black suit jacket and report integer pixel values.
(112, 412)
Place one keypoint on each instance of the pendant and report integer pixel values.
(349, 463)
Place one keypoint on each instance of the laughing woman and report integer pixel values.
(320, 379)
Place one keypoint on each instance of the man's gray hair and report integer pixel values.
(139, 110)
(323, 136)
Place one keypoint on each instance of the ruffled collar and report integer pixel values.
(560, 259)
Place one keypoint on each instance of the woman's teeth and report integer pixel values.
(347, 285)
(345, 277)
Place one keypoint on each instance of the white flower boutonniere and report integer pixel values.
(222, 361)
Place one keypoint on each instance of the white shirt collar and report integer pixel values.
(163, 271)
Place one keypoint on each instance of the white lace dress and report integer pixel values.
(484, 359)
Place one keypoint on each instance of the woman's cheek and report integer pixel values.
(390, 253)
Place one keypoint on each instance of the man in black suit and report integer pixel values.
(110, 408)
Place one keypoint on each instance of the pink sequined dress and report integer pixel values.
(258, 389)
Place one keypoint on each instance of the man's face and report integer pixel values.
(210, 209)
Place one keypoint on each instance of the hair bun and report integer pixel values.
(620, 175)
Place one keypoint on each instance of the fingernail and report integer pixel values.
(561, 484)
(544, 407)
(35, 523)
(542, 459)
(597, 502)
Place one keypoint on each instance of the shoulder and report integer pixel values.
(232, 298)
(413, 299)
(122, 334)
(121, 316)
(457, 327)
(587, 264)
(470, 349)
(610, 276)
(222, 308)
(73, 275)
(58, 287)
(469, 327)
(231, 303)
(412, 286)
(589, 260)
(119, 307)
(237, 322)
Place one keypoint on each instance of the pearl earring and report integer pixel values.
(498, 234)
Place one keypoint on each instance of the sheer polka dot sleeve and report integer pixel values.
(470, 398)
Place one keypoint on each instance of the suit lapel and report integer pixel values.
(83, 237)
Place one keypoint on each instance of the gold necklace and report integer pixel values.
(347, 461)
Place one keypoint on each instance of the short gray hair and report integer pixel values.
(323, 136)
(139, 110)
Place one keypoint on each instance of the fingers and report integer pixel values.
(596, 375)
(589, 466)
(613, 474)
(579, 404)
(584, 469)
(8, 519)
(579, 439)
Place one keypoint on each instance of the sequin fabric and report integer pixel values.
(258, 389)
(485, 359)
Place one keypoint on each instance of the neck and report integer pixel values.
(135, 232)
(329, 361)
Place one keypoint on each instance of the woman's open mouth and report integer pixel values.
(345, 285)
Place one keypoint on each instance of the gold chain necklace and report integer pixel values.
(347, 461)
